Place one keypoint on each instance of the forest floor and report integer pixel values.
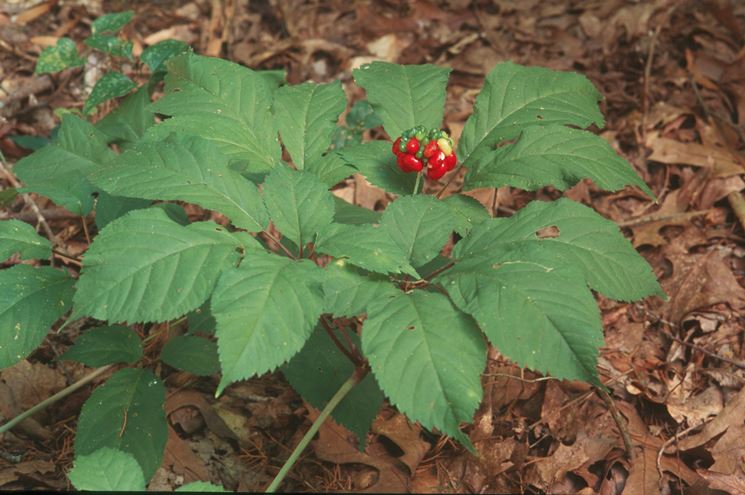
(673, 76)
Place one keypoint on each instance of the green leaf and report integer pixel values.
(377, 163)
(586, 241)
(420, 225)
(156, 55)
(353, 214)
(111, 85)
(109, 208)
(222, 102)
(19, 237)
(554, 155)
(362, 116)
(467, 212)
(405, 96)
(265, 311)
(129, 121)
(107, 470)
(185, 168)
(306, 115)
(145, 267)
(200, 486)
(201, 320)
(105, 345)
(31, 143)
(515, 97)
(31, 300)
(112, 23)
(378, 253)
(330, 169)
(59, 57)
(428, 358)
(7, 196)
(112, 45)
(543, 318)
(58, 170)
(298, 203)
(196, 355)
(320, 369)
(348, 291)
(126, 413)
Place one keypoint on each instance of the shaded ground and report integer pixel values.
(673, 74)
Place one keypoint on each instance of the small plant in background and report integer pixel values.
(351, 305)
(105, 38)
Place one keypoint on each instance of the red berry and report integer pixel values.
(412, 146)
(436, 170)
(402, 163)
(413, 163)
(450, 161)
(430, 149)
(395, 147)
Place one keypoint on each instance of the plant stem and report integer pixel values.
(51, 400)
(335, 400)
(418, 180)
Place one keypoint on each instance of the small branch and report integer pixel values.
(51, 400)
(335, 400)
(450, 180)
(627, 445)
(30, 203)
(439, 270)
(330, 331)
(656, 217)
(738, 364)
(278, 243)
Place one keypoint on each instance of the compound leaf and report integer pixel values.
(515, 97)
(185, 168)
(107, 470)
(467, 212)
(404, 96)
(111, 85)
(330, 169)
(146, 267)
(411, 342)
(420, 225)
(105, 345)
(320, 369)
(222, 102)
(543, 318)
(59, 57)
(348, 291)
(111, 23)
(126, 413)
(585, 241)
(59, 170)
(155, 56)
(298, 203)
(129, 121)
(31, 300)
(307, 115)
(196, 355)
(554, 155)
(110, 44)
(19, 237)
(265, 311)
(378, 253)
(377, 163)
(353, 214)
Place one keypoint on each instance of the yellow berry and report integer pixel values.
(444, 145)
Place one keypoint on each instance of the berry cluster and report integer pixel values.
(417, 148)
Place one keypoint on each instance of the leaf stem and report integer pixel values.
(346, 387)
(418, 180)
(330, 331)
(51, 400)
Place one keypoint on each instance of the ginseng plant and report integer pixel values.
(353, 306)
